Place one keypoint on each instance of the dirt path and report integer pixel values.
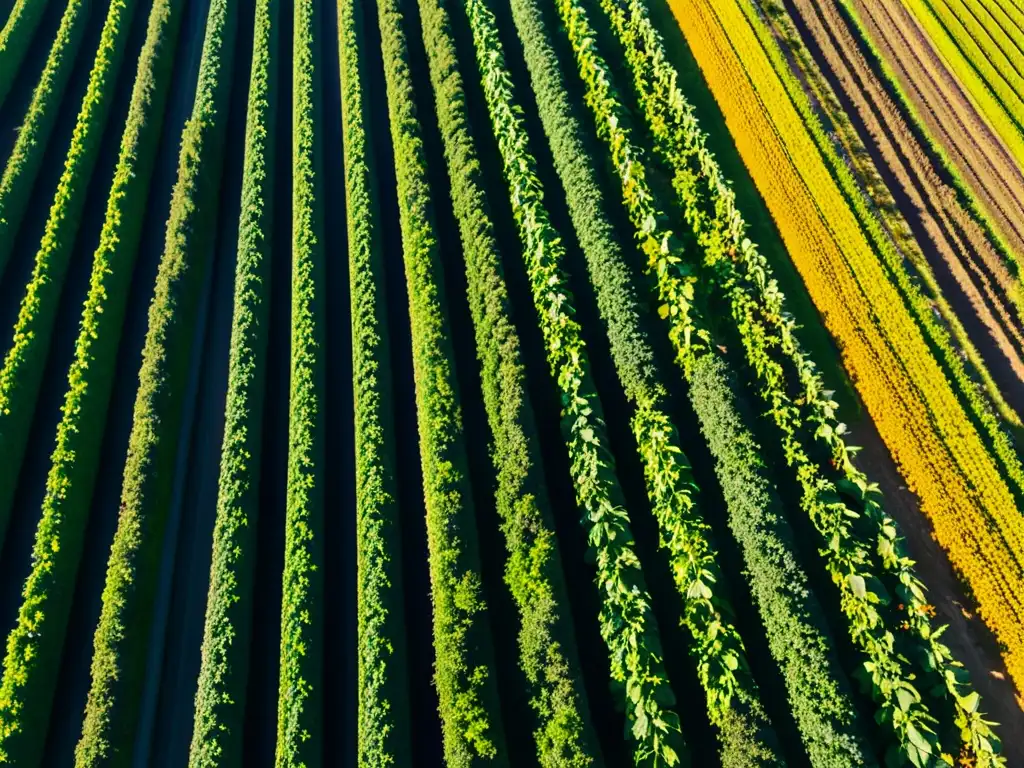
(972, 275)
(950, 115)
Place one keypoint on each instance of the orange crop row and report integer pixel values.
(924, 426)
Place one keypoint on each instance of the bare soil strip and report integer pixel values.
(949, 114)
(971, 273)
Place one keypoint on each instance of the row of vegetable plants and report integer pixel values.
(984, 276)
(736, 269)
(798, 637)
(848, 563)
(719, 655)
(880, 532)
(384, 728)
(965, 195)
(898, 379)
(981, 411)
(30, 147)
(654, 727)
(221, 688)
(34, 645)
(119, 653)
(299, 703)
(15, 37)
(548, 657)
(996, 100)
(23, 366)
(464, 656)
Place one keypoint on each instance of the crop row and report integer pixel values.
(900, 382)
(25, 361)
(937, 337)
(34, 134)
(984, 274)
(737, 270)
(976, 44)
(464, 656)
(299, 703)
(220, 696)
(15, 37)
(533, 571)
(34, 645)
(717, 649)
(828, 723)
(669, 483)
(384, 729)
(996, 100)
(118, 649)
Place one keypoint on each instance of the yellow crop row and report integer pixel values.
(1000, 105)
(927, 431)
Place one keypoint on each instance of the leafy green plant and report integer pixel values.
(34, 134)
(383, 723)
(858, 537)
(533, 570)
(464, 667)
(118, 660)
(221, 689)
(299, 707)
(25, 361)
(15, 38)
(34, 645)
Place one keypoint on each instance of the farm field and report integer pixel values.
(511, 382)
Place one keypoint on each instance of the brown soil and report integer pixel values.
(906, 186)
(967, 636)
(943, 104)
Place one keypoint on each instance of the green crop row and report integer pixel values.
(220, 696)
(533, 570)
(848, 563)
(34, 645)
(464, 665)
(299, 703)
(824, 712)
(34, 134)
(384, 727)
(25, 362)
(719, 655)
(628, 625)
(15, 38)
(119, 645)
(735, 268)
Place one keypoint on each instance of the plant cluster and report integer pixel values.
(533, 570)
(119, 651)
(384, 727)
(464, 666)
(221, 689)
(23, 366)
(35, 643)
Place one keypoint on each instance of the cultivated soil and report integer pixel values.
(951, 117)
(972, 274)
